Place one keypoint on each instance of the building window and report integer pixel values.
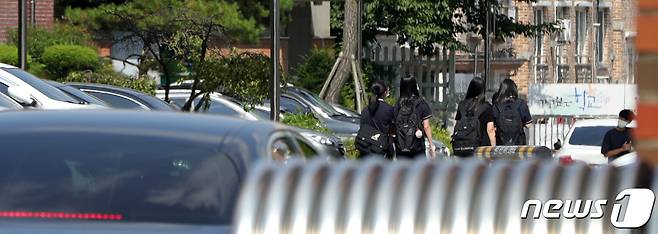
(632, 58)
(600, 36)
(508, 8)
(581, 34)
(539, 40)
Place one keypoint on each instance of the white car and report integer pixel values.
(220, 104)
(583, 142)
(34, 93)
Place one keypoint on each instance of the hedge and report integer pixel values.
(60, 60)
(9, 55)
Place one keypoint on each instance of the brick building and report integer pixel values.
(44, 15)
(596, 44)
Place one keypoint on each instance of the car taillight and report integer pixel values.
(59, 215)
(565, 160)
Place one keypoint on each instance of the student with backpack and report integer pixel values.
(511, 115)
(475, 122)
(374, 136)
(412, 122)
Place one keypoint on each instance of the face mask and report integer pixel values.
(622, 123)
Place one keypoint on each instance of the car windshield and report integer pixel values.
(326, 107)
(38, 84)
(589, 136)
(173, 181)
(81, 96)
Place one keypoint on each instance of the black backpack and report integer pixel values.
(467, 135)
(509, 126)
(407, 122)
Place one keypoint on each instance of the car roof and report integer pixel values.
(152, 102)
(4, 65)
(109, 87)
(595, 122)
(137, 121)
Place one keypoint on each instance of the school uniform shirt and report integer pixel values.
(486, 116)
(383, 118)
(615, 139)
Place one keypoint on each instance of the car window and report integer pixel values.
(171, 181)
(179, 101)
(81, 96)
(590, 136)
(4, 89)
(293, 106)
(326, 107)
(40, 85)
(284, 149)
(218, 108)
(116, 101)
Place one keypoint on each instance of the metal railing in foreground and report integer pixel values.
(452, 196)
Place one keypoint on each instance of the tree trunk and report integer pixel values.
(349, 50)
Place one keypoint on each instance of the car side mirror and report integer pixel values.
(21, 95)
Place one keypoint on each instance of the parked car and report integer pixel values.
(123, 98)
(300, 101)
(583, 141)
(346, 111)
(34, 93)
(76, 93)
(227, 106)
(113, 171)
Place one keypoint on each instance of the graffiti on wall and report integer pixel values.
(581, 99)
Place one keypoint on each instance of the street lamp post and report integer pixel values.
(274, 58)
(22, 34)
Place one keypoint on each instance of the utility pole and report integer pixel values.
(275, 90)
(487, 44)
(22, 34)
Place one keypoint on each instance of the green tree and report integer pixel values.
(244, 76)
(314, 69)
(172, 31)
(423, 24)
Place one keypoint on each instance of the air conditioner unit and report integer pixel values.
(565, 26)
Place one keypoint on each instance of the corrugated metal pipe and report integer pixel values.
(450, 196)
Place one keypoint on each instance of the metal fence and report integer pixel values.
(435, 73)
(427, 197)
(546, 130)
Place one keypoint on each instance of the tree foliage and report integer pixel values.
(314, 69)
(107, 76)
(425, 23)
(39, 38)
(244, 76)
(172, 31)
